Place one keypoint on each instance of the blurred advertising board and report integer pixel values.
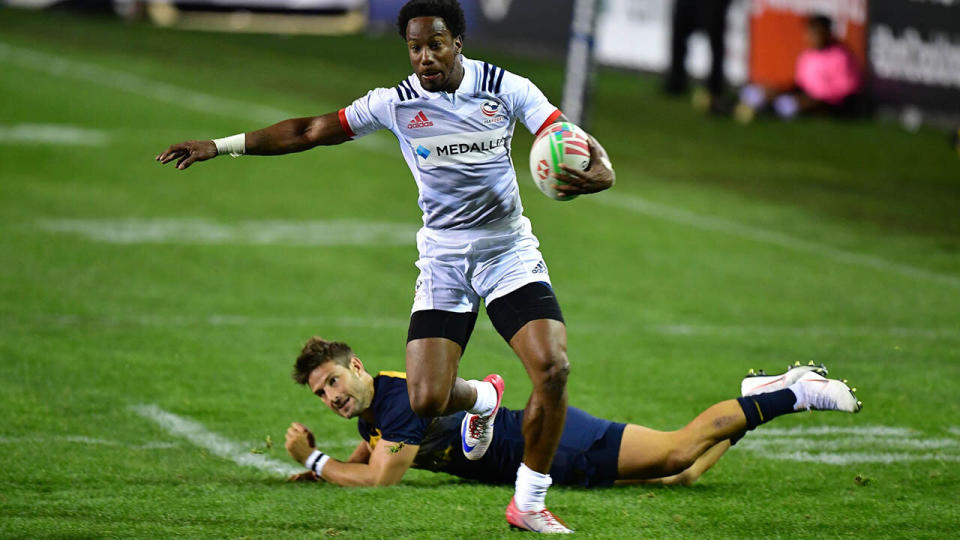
(915, 59)
(635, 34)
(778, 34)
(271, 5)
(538, 28)
(284, 5)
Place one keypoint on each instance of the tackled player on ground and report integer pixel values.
(593, 452)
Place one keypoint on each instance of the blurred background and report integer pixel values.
(908, 50)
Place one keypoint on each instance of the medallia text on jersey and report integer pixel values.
(469, 133)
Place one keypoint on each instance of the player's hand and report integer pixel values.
(186, 153)
(305, 476)
(300, 442)
(598, 177)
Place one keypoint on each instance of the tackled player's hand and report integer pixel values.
(598, 177)
(300, 442)
(305, 476)
(188, 152)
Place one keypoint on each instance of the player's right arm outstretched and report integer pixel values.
(293, 135)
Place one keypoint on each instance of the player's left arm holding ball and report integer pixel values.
(598, 177)
(385, 465)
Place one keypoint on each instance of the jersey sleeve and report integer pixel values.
(527, 103)
(397, 421)
(367, 114)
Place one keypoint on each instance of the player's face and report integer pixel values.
(817, 36)
(341, 388)
(433, 54)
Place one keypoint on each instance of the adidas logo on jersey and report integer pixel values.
(419, 121)
(540, 268)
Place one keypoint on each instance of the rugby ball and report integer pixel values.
(558, 143)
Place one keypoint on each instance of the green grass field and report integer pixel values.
(128, 287)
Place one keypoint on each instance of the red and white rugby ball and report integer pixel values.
(558, 143)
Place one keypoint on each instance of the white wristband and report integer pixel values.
(318, 466)
(315, 462)
(235, 145)
(312, 459)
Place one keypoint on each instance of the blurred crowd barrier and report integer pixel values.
(910, 48)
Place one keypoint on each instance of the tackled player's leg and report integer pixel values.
(650, 454)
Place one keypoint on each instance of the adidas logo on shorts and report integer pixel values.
(540, 268)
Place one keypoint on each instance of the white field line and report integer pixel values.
(717, 224)
(51, 134)
(181, 97)
(901, 443)
(848, 445)
(82, 439)
(875, 431)
(219, 320)
(856, 457)
(216, 444)
(266, 232)
(954, 429)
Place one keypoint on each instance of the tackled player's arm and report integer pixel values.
(388, 463)
(288, 136)
(361, 454)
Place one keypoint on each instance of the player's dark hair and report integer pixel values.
(448, 10)
(821, 22)
(317, 352)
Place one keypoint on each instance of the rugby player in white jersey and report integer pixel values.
(454, 118)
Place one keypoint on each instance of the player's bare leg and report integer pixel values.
(648, 453)
(692, 473)
(542, 346)
(435, 389)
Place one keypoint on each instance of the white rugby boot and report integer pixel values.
(815, 392)
(758, 382)
(476, 431)
(542, 521)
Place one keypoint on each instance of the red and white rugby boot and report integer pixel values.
(758, 382)
(476, 431)
(541, 521)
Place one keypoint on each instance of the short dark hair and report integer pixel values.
(822, 22)
(317, 352)
(448, 10)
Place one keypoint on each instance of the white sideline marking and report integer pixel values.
(51, 134)
(885, 431)
(202, 231)
(834, 445)
(183, 98)
(216, 444)
(82, 439)
(856, 457)
(717, 224)
(954, 429)
(767, 443)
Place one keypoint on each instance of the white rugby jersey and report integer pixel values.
(457, 144)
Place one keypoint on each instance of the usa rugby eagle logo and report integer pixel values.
(490, 108)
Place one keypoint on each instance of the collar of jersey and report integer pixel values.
(467, 85)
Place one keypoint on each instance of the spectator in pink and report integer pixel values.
(828, 80)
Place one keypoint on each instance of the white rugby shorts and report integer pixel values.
(459, 268)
